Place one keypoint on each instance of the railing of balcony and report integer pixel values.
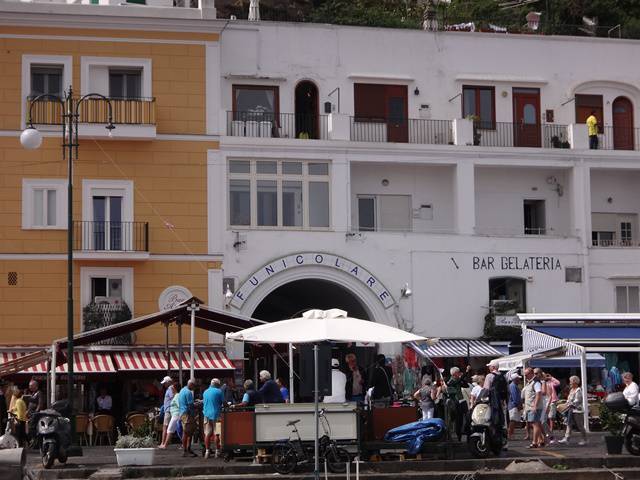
(403, 130)
(614, 243)
(508, 134)
(126, 111)
(99, 236)
(619, 138)
(277, 125)
(99, 315)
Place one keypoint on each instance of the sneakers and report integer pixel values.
(563, 440)
(206, 453)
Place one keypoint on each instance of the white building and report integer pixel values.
(390, 190)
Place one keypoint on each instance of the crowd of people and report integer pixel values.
(23, 404)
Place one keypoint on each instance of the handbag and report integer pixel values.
(563, 407)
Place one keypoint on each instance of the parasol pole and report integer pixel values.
(291, 393)
(316, 460)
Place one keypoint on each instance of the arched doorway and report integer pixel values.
(306, 110)
(622, 113)
(291, 300)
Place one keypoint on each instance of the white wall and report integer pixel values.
(437, 63)
(500, 193)
(623, 187)
(426, 184)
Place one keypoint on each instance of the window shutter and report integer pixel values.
(369, 101)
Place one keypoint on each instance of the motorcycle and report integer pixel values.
(53, 430)
(8, 440)
(485, 436)
(617, 403)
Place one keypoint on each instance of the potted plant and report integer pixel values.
(134, 450)
(612, 422)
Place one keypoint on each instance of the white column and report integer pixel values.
(465, 199)
(339, 126)
(216, 300)
(583, 378)
(212, 86)
(340, 193)
(578, 136)
(462, 131)
(580, 191)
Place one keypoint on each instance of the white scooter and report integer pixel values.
(8, 440)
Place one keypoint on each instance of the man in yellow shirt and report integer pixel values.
(592, 127)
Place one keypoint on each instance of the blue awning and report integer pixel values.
(594, 360)
(590, 335)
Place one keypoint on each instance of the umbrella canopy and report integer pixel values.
(324, 325)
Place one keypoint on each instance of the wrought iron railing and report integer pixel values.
(508, 134)
(619, 138)
(402, 130)
(103, 314)
(126, 111)
(614, 243)
(111, 236)
(277, 125)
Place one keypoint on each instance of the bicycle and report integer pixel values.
(288, 454)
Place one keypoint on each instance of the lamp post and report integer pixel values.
(31, 139)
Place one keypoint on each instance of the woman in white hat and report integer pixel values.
(169, 393)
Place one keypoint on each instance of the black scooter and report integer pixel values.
(53, 430)
(616, 402)
(485, 437)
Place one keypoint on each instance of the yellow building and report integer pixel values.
(140, 194)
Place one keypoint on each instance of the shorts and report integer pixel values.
(167, 418)
(188, 424)
(543, 415)
(553, 410)
(515, 415)
(534, 416)
(211, 426)
(173, 424)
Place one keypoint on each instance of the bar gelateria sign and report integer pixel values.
(314, 260)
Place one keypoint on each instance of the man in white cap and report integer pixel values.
(514, 404)
(169, 393)
(338, 384)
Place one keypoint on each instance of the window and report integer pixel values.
(390, 213)
(507, 295)
(125, 83)
(255, 101)
(603, 239)
(585, 104)
(626, 235)
(112, 285)
(573, 274)
(107, 214)
(44, 204)
(479, 102)
(273, 193)
(46, 79)
(534, 217)
(369, 102)
(627, 299)
(106, 288)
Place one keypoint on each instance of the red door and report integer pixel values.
(396, 107)
(526, 116)
(622, 124)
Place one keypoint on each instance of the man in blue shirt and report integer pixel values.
(212, 401)
(269, 391)
(187, 418)
(515, 404)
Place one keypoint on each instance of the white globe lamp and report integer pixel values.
(30, 138)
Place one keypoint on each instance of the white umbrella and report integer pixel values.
(317, 326)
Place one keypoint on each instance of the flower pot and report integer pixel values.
(135, 456)
(614, 444)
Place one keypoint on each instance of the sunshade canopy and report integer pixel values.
(454, 348)
(324, 325)
(594, 360)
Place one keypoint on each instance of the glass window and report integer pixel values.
(239, 166)
(534, 217)
(267, 203)
(507, 295)
(625, 233)
(627, 299)
(44, 207)
(239, 202)
(292, 168)
(291, 204)
(318, 169)
(106, 287)
(125, 83)
(367, 214)
(318, 204)
(267, 167)
(46, 79)
(479, 103)
(255, 100)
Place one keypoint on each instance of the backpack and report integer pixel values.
(500, 384)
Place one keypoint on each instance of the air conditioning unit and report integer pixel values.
(108, 300)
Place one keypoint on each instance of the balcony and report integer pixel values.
(402, 130)
(614, 243)
(135, 118)
(277, 125)
(99, 314)
(619, 138)
(111, 240)
(507, 134)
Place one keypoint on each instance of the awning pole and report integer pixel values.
(193, 308)
(166, 347)
(180, 354)
(583, 376)
(54, 352)
(316, 443)
(291, 396)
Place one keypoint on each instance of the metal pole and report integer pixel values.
(291, 395)
(167, 355)
(316, 449)
(54, 361)
(193, 308)
(180, 354)
(583, 375)
(69, 118)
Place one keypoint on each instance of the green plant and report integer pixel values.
(96, 315)
(131, 441)
(610, 421)
(144, 430)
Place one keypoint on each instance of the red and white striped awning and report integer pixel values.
(156, 360)
(84, 362)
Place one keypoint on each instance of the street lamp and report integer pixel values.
(31, 139)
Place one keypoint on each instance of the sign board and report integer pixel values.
(173, 296)
(507, 321)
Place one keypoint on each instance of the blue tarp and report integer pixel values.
(415, 434)
(628, 334)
